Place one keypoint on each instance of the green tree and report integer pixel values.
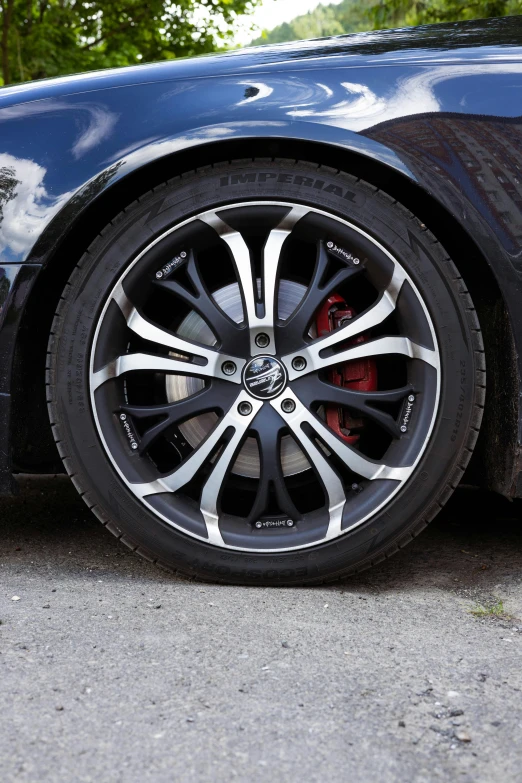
(314, 25)
(395, 13)
(350, 16)
(52, 37)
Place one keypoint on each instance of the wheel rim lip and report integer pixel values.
(290, 205)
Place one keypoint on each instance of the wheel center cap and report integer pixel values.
(265, 377)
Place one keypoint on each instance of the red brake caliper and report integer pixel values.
(359, 374)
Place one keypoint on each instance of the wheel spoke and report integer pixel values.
(397, 345)
(260, 316)
(217, 396)
(384, 345)
(140, 362)
(237, 425)
(292, 332)
(228, 333)
(312, 389)
(353, 459)
(328, 477)
(148, 331)
(318, 357)
(269, 429)
(200, 360)
(271, 258)
(213, 488)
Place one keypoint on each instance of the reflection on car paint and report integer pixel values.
(481, 159)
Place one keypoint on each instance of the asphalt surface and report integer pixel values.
(113, 670)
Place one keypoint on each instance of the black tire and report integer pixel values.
(449, 304)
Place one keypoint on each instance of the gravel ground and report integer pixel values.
(113, 670)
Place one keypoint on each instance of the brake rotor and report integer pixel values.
(193, 327)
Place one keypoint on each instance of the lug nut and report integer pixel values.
(245, 408)
(299, 363)
(411, 398)
(259, 525)
(289, 522)
(262, 340)
(404, 428)
(228, 368)
(288, 406)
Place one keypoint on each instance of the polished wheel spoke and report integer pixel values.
(311, 389)
(328, 477)
(260, 315)
(213, 488)
(218, 396)
(400, 346)
(140, 362)
(152, 333)
(353, 459)
(232, 424)
(200, 360)
(320, 354)
(292, 332)
(269, 429)
(397, 345)
(229, 334)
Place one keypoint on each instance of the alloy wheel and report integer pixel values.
(265, 376)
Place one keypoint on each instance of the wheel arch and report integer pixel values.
(33, 447)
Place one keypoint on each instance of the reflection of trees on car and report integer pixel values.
(478, 155)
(8, 183)
(353, 16)
(400, 13)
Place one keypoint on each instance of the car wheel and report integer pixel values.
(265, 372)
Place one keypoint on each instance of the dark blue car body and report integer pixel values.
(431, 115)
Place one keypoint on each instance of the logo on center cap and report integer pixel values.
(264, 377)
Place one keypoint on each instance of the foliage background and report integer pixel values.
(350, 16)
(41, 38)
(353, 16)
